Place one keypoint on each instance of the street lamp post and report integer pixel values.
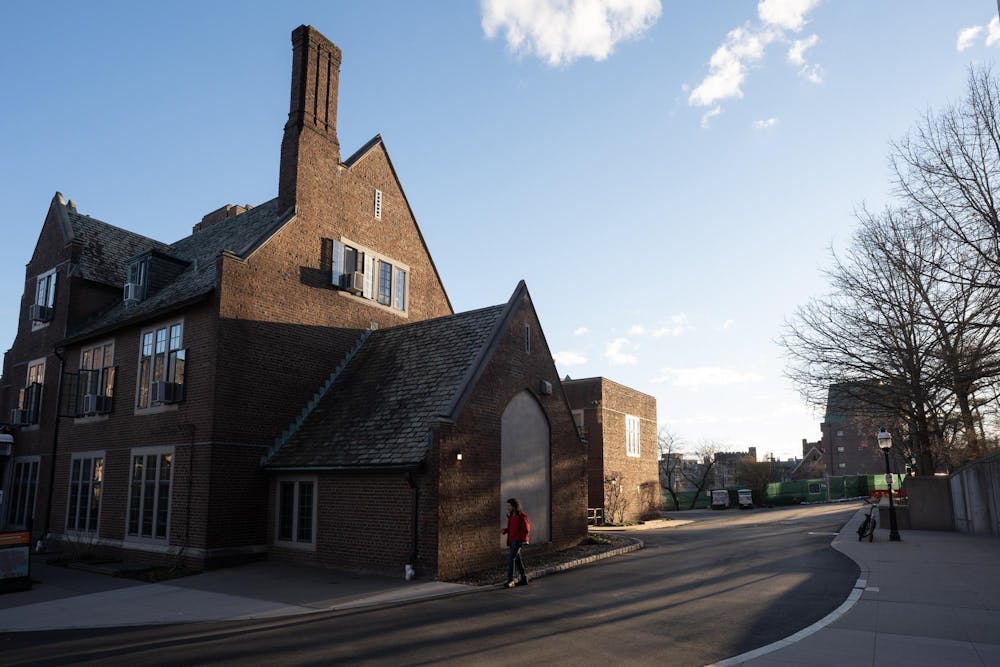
(885, 444)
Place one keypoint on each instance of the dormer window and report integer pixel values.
(135, 285)
(45, 298)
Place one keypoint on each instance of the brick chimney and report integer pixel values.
(312, 114)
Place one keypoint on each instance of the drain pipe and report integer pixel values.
(40, 544)
(409, 572)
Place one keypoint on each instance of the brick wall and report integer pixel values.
(470, 502)
(605, 429)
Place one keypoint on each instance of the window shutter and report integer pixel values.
(369, 274)
(337, 270)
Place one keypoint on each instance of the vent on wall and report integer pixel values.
(378, 204)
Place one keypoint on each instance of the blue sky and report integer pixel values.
(667, 177)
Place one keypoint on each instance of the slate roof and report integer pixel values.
(106, 249)
(377, 411)
(240, 234)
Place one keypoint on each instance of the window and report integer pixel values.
(29, 397)
(84, 505)
(161, 366)
(135, 284)
(578, 420)
(45, 298)
(23, 483)
(631, 435)
(149, 492)
(369, 275)
(378, 204)
(840, 449)
(842, 465)
(840, 434)
(399, 290)
(296, 511)
(527, 339)
(384, 283)
(97, 379)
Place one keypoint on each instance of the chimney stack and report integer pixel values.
(312, 110)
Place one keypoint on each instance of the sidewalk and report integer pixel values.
(931, 599)
(69, 598)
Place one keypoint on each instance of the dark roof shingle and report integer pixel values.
(377, 411)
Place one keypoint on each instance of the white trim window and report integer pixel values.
(632, 435)
(45, 299)
(97, 379)
(150, 477)
(86, 479)
(295, 518)
(370, 275)
(162, 366)
(23, 486)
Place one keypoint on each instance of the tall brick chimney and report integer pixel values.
(312, 114)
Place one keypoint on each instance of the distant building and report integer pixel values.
(726, 463)
(619, 425)
(854, 414)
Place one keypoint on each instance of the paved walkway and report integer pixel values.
(931, 599)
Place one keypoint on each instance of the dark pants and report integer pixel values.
(515, 559)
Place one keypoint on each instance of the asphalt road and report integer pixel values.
(731, 582)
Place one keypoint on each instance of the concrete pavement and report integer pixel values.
(931, 599)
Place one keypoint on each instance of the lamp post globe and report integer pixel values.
(885, 444)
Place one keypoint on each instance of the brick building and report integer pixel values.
(173, 401)
(619, 425)
(854, 415)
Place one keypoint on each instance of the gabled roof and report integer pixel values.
(378, 409)
(106, 249)
(241, 235)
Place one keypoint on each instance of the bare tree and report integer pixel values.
(698, 476)
(669, 446)
(948, 165)
(616, 500)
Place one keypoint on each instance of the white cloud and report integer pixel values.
(967, 37)
(709, 115)
(728, 66)
(619, 352)
(787, 14)
(745, 47)
(766, 124)
(637, 330)
(678, 325)
(797, 52)
(728, 324)
(703, 376)
(579, 331)
(561, 31)
(569, 358)
(993, 31)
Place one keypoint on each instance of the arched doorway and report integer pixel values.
(525, 463)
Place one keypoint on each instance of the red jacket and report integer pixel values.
(518, 528)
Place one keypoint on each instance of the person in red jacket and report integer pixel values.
(518, 532)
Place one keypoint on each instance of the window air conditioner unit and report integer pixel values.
(39, 313)
(132, 292)
(89, 404)
(166, 392)
(18, 417)
(353, 282)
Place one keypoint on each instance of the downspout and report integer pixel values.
(40, 544)
(409, 570)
